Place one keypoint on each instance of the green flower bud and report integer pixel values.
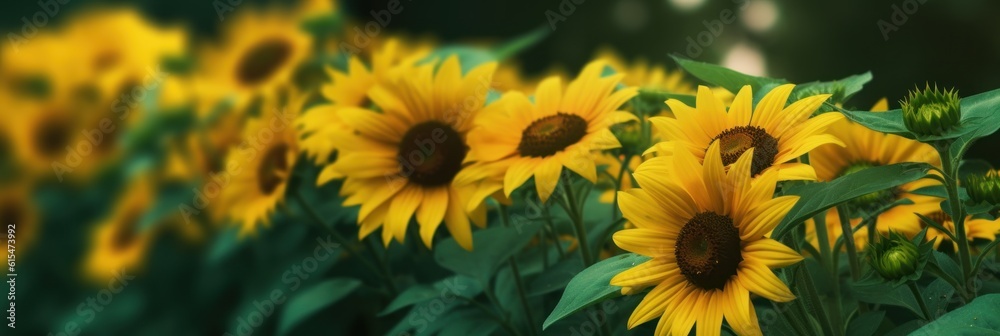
(931, 111)
(984, 187)
(894, 257)
(629, 134)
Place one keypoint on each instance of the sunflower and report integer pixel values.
(974, 228)
(778, 134)
(16, 208)
(261, 52)
(118, 49)
(46, 139)
(647, 76)
(36, 71)
(865, 148)
(263, 163)
(350, 89)
(402, 162)
(118, 242)
(706, 232)
(562, 127)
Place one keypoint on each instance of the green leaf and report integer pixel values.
(727, 78)
(593, 285)
(491, 248)
(842, 89)
(938, 296)
(463, 323)
(313, 299)
(865, 324)
(817, 197)
(979, 317)
(980, 117)
(659, 97)
(883, 293)
(973, 166)
(520, 43)
(456, 285)
(556, 277)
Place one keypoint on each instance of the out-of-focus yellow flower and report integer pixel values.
(118, 243)
(261, 166)
(974, 228)
(644, 75)
(16, 208)
(261, 51)
(350, 89)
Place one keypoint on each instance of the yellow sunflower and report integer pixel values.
(350, 89)
(261, 52)
(402, 162)
(706, 231)
(562, 127)
(118, 242)
(262, 164)
(974, 228)
(119, 49)
(644, 75)
(17, 208)
(36, 71)
(40, 134)
(864, 148)
(778, 134)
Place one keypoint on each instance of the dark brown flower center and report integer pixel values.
(551, 134)
(125, 231)
(431, 154)
(273, 168)
(737, 140)
(708, 250)
(263, 60)
(11, 212)
(52, 136)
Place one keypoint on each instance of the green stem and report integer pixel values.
(503, 322)
(848, 237)
(551, 231)
(824, 245)
(383, 262)
(318, 220)
(920, 299)
(572, 209)
(958, 218)
(618, 185)
(516, 272)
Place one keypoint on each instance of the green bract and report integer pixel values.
(983, 188)
(931, 111)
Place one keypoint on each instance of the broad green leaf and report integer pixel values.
(979, 317)
(727, 78)
(842, 89)
(660, 97)
(313, 299)
(464, 322)
(973, 166)
(938, 296)
(491, 248)
(556, 277)
(456, 285)
(817, 197)
(593, 285)
(865, 324)
(884, 293)
(980, 117)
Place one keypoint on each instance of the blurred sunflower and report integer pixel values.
(834, 230)
(974, 228)
(643, 75)
(36, 71)
(350, 89)
(706, 231)
(266, 159)
(17, 208)
(865, 148)
(778, 134)
(41, 133)
(614, 164)
(261, 52)
(559, 129)
(119, 49)
(117, 241)
(403, 161)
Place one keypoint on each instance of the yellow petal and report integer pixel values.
(431, 212)
(646, 242)
(758, 279)
(547, 178)
(770, 253)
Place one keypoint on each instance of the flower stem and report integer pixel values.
(618, 185)
(920, 299)
(346, 244)
(848, 236)
(581, 232)
(516, 273)
(957, 217)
